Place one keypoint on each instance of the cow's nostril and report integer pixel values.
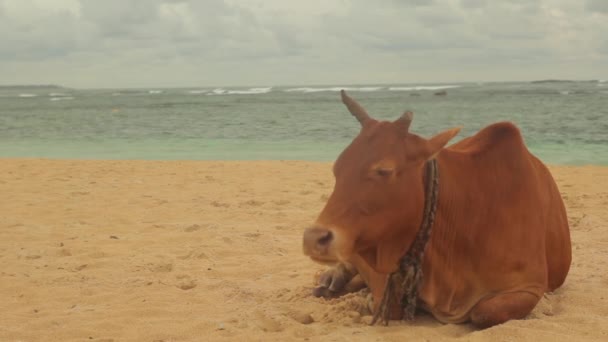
(325, 239)
(317, 241)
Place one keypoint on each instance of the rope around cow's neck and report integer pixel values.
(404, 282)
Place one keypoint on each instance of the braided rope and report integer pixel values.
(403, 284)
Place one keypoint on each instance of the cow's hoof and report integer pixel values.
(332, 282)
(323, 292)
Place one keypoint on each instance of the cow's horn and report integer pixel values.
(354, 108)
(405, 121)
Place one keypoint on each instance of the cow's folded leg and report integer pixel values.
(338, 280)
(503, 307)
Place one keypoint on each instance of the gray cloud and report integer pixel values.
(472, 3)
(90, 43)
(600, 6)
(413, 2)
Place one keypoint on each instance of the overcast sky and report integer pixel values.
(167, 43)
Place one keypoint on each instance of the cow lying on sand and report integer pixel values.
(477, 230)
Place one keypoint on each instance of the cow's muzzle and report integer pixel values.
(317, 244)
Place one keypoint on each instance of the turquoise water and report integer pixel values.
(562, 122)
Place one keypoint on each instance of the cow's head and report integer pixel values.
(376, 206)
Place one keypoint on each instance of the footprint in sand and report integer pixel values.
(252, 203)
(161, 267)
(218, 204)
(194, 255)
(184, 282)
(301, 317)
(192, 228)
(195, 227)
(81, 267)
(267, 324)
(64, 252)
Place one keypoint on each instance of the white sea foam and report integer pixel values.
(27, 95)
(57, 94)
(196, 92)
(66, 98)
(602, 81)
(155, 92)
(316, 90)
(310, 90)
(367, 89)
(218, 91)
(565, 92)
(250, 91)
(423, 88)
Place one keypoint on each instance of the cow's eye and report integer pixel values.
(384, 172)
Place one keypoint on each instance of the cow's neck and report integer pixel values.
(456, 201)
(403, 284)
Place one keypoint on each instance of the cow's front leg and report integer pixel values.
(338, 281)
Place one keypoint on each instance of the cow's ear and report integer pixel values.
(436, 143)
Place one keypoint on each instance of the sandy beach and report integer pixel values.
(205, 251)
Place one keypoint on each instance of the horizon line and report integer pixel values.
(52, 85)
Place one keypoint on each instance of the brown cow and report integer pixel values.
(500, 238)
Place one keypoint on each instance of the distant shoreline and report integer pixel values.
(562, 81)
(30, 86)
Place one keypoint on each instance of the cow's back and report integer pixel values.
(501, 225)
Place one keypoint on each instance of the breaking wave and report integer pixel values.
(423, 88)
(27, 95)
(250, 91)
(218, 91)
(316, 90)
(155, 91)
(66, 98)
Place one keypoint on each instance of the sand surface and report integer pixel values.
(200, 251)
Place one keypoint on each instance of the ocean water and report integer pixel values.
(562, 122)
